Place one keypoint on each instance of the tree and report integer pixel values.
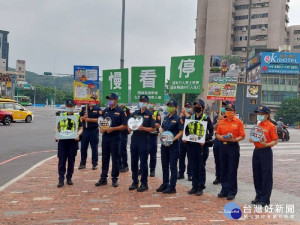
(290, 111)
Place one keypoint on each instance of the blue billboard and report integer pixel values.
(280, 62)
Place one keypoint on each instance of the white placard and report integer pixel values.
(66, 133)
(194, 137)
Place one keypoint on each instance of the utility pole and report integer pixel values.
(122, 35)
(248, 38)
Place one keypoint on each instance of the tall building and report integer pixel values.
(294, 38)
(229, 26)
(4, 46)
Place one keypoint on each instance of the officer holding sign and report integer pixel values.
(262, 160)
(139, 144)
(199, 151)
(170, 154)
(67, 148)
(230, 132)
(111, 139)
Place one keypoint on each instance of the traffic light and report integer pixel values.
(48, 73)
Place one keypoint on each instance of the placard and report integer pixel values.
(190, 131)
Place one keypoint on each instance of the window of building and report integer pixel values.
(260, 5)
(243, 17)
(296, 46)
(253, 101)
(282, 81)
(259, 26)
(240, 7)
(296, 31)
(238, 28)
(262, 15)
(270, 80)
(259, 37)
(252, 117)
(276, 80)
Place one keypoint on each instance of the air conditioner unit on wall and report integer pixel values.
(244, 29)
(263, 28)
(243, 49)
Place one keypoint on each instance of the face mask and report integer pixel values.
(171, 109)
(229, 114)
(110, 103)
(198, 109)
(92, 104)
(261, 118)
(142, 104)
(188, 110)
(69, 110)
(223, 110)
(150, 106)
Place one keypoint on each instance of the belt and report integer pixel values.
(267, 148)
(229, 143)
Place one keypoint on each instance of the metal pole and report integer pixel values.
(248, 39)
(122, 35)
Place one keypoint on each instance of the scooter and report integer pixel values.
(286, 136)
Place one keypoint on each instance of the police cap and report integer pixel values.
(112, 96)
(263, 109)
(199, 102)
(230, 106)
(188, 104)
(70, 102)
(172, 103)
(144, 98)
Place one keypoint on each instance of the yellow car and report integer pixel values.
(19, 112)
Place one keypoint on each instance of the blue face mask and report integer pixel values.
(150, 106)
(261, 118)
(69, 110)
(142, 105)
(188, 110)
(110, 103)
(223, 110)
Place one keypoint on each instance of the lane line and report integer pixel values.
(19, 156)
(25, 173)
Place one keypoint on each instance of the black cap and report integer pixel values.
(172, 103)
(70, 102)
(225, 103)
(144, 98)
(188, 104)
(112, 96)
(263, 109)
(199, 102)
(230, 106)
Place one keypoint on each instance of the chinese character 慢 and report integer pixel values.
(186, 66)
(148, 78)
(115, 80)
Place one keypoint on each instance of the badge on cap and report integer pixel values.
(261, 107)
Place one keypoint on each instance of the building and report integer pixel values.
(227, 27)
(294, 38)
(4, 46)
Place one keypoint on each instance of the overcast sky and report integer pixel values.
(63, 33)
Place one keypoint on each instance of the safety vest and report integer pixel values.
(196, 127)
(63, 124)
(155, 113)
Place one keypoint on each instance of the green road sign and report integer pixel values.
(116, 81)
(148, 81)
(186, 74)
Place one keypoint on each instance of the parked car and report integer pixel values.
(19, 112)
(6, 117)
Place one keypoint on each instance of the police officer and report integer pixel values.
(199, 152)
(262, 160)
(67, 148)
(139, 140)
(216, 146)
(186, 112)
(170, 154)
(230, 132)
(153, 139)
(123, 164)
(90, 135)
(111, 139)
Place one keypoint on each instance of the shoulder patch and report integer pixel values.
(117, 113)
(158, 117)
(173, 121)
(146, 117)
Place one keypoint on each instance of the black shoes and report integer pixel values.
(161, 188)
(69, 182)
(262, 204)
(124, 169)
(81, 166)
(222, 195)
(95, 166)
(199, 192)
(142, 188)
(115, 183)
(133, 186)
(101, 182)
(216, 181)
(192, 191)
(230, 197)
(169, 191)
(152, 173)
(60, 184)
(255, 201)
(180, 176)
(189, 178)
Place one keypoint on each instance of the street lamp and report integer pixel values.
(122, 35)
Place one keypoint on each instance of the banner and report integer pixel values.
(194, 131)
(148, 81)
(186, 74)
(223, 76)
(252, 91)
(116, 81)
(86, 84)
(63, 128)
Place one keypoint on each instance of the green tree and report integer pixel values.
(290, 111)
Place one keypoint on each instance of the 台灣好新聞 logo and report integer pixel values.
(232, 211)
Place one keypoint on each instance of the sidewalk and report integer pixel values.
(35, 199)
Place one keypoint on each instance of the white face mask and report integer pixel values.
(69, 110)
(142, 104)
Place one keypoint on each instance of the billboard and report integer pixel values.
(116, 81)
(252, 91)
(20, 66)
(186, 74)
(280, 62)
(148, 81)
(223, 77)
(253, 75)
(86, 84)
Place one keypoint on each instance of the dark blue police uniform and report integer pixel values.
(111, 142)
(123, 164)
(138, 150)
(170, 154)
(216, 149)
(90, 135)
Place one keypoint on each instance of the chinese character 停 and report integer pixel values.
(187, 67)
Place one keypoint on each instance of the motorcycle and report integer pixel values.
(286, 136)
